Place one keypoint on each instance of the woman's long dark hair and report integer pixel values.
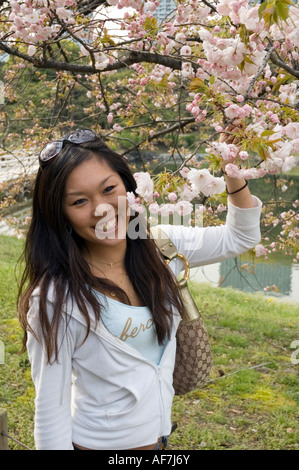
(53, 255)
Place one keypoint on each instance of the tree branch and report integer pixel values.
(284, 66)
(89, 6)
(194, 152)
(208, 4)
(134, 58)
(178, 125)
(259, 72)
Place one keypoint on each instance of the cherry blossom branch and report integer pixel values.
(282, 220)
(135, 57)
(284, 66)
(208, 4)
(88, 6)
(264, 98)
(212, 136)
(259, 72)
(178, 125)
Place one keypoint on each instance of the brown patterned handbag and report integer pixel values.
(193, 355)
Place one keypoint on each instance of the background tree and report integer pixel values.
(177, 83)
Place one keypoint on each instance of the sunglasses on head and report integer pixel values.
(52, 149)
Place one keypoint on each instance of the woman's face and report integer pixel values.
(95, 203)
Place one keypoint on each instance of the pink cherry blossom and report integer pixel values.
(188, 192)
(249, 17)
(295, 144)
(292, 130)
(221, 208)
(243, 155)
(117, 127)
(288, 163)
(145, 185)
(224, 150)
(154, 208)
(233, 170)
(184, 171)
(110, 118)
(260, 250)
(183, 207)
(214, 186)
(63, 13)
(224, 7)
(166, 209)
(205, 182)
(252, 173)
(131, 198)
(31, 50)
(134, 203)
(172, 197)
(199, 178)
(235, 111)
(185, 50)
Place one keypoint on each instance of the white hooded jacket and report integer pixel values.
(102, 393)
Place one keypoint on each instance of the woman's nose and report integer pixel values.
(103, 209)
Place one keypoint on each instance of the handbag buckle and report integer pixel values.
(187, 267)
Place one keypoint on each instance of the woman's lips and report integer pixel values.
(110, 227)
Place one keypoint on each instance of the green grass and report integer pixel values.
(251, 401)
(256, 407)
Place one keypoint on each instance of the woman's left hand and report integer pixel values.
(231, 139)
(238, 191)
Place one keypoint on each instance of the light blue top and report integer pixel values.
(134, 325)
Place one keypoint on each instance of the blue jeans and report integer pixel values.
(162, 444)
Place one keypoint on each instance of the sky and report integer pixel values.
(113, 12)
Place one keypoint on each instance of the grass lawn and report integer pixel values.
(251, 401)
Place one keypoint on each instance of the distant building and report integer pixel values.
(164, 9)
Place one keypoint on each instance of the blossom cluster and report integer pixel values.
(286, 240)
(30, 19)
(193, 183)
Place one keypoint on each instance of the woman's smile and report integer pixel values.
(106, 228)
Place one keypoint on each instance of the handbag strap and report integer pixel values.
(168, 249)
(163, 242)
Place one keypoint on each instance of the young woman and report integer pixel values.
(100, 308)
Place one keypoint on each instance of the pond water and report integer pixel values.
(251, 277)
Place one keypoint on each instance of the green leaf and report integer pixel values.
(268, 132)
(262, 151)
(198, 86)
(248, 60)
(289, 2)
(261, 9)
(151, 25)
(282, 10)
(241, 65)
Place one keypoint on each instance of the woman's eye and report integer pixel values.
(79, 202)
(108, 189)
